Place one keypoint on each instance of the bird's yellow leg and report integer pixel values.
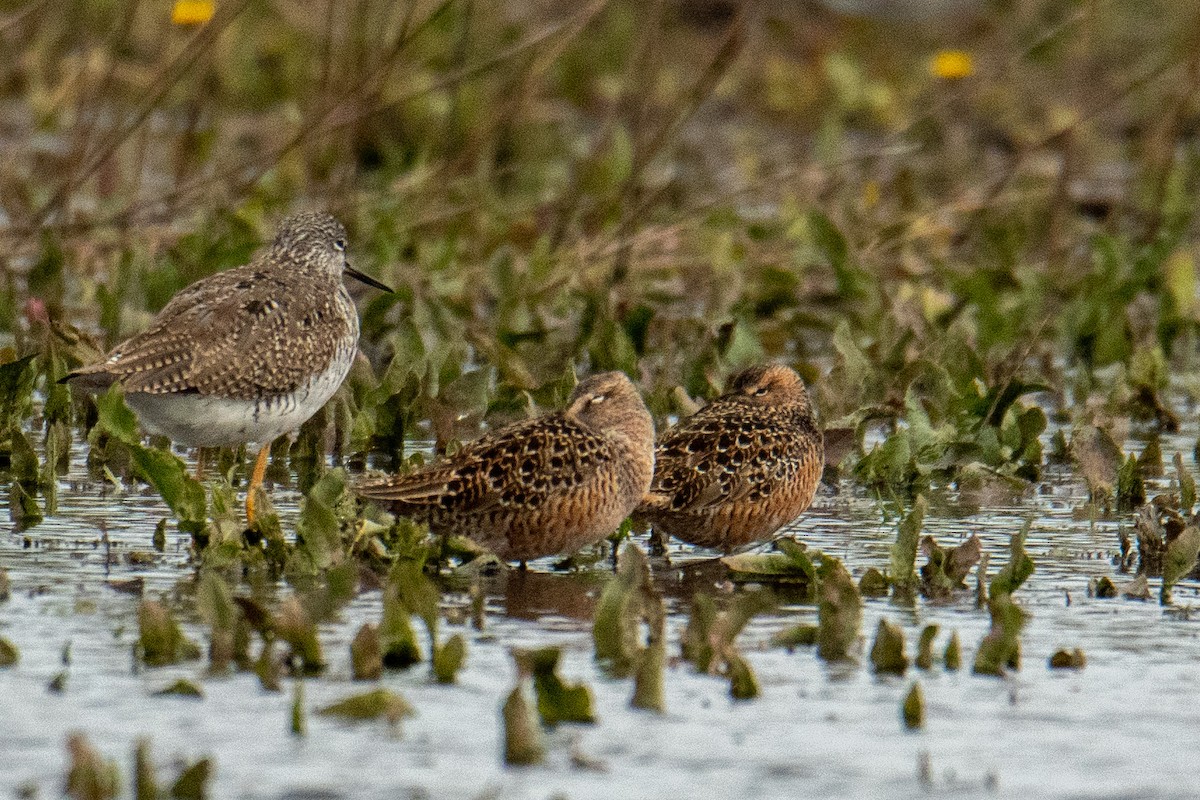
(256, 480)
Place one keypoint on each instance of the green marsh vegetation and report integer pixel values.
(978, 248)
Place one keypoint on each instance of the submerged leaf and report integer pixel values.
(192, 783)
(952, 657)
(1099, 459)
(366, 654)
(839, 612)
(1068, 659)
(1001, 647)
(9, 655)
(925, 647)
(1179, 560)
(802, 634)
(628, 601)
(791, 564)
(557, 701)
(947, 570)
(90, 777)
(161, 639)
(742, 683)
(1018, 568)
(522, 733)
(319, 530)
(887, 651)
(904, 551)
(375, 704)
(299, 723)
(181, 688)
(1187, 485)
(873, 583)
(448, 658)
(294, 626)
(913, 710)
(648, 684)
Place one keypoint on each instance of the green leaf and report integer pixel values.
(90, 777)
(319, 530)
(16, 393)
(169, 476)
(802, 634)
(648, 683)
(743, 685)
(299, 723)
(396, 634)
(628, 601)
(1001, 647)
(415, 591)
(1018, 568)
(904, 551)
(448, 658)
(557, 701)
(793, 564)
(145, 784)
(160, 637)
(947, 570)
(1187, 485)
(1179, 560)
(116, 418)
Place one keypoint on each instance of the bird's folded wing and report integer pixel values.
(511, 467)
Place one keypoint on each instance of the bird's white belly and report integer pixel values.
(201, 420)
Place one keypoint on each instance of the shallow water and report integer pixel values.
(1114, 729)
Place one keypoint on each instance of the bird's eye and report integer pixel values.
(760, 391)
(340, 245)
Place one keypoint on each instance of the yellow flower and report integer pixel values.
(871, 194)
(952, 65)
(192, 12)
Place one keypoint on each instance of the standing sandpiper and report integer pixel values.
(542, 486)
(245, 355)
(741, 467)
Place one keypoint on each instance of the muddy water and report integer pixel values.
(1117, 729)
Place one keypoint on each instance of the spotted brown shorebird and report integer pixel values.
(542, 486)
(741, 467)
(245, 355)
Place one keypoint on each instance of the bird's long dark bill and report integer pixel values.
(367, 279)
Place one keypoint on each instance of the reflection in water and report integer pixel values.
(532, 595)
(816, 731)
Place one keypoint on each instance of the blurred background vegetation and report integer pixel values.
(938, 211)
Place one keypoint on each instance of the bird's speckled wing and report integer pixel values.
(240, 334)
(517, 467)
(722, 455)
